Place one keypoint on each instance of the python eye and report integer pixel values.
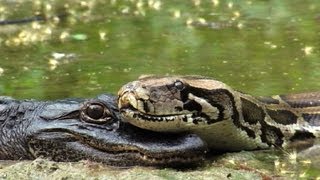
(179, 85)
(96, 113)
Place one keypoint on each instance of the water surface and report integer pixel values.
(259, 47)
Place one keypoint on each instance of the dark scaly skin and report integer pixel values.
(87, 129)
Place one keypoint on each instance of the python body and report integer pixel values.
(226, 119)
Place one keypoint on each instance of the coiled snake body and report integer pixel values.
(226, 119)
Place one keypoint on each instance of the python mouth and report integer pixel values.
(131, 112)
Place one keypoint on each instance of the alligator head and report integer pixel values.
(88, 129)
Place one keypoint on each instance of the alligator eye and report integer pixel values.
(96, 113)
(179, 85)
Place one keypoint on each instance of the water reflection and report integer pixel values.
(261, 47)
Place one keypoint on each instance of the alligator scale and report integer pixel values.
(226, 119)
(87, 129)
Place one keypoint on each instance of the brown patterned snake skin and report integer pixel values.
(226, 119)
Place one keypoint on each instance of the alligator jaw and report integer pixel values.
(126, 146)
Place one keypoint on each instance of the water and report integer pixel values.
(261, 47)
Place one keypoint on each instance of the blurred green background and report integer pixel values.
(84, 48)
(261, 47)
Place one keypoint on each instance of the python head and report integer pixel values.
(175, 103)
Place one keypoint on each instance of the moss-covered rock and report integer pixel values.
(242, 165)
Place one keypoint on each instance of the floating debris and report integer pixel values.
(140, 4)
(201, 22)
(307, 50)
(176, 14)
(57, 55)
(53, 64)
(36, 25)
(79, 37)
(102, 35)
(240, 25)
(64, 35)
(127, 69)
(125, 10)
(236, 15)
(1, 71)
(154, 4)
(189, 22)
(270, 44)
(59, 58)
(197, 2)
(215, 2)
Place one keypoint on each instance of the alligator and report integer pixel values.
(88, 129)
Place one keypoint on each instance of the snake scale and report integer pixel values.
(226, 119)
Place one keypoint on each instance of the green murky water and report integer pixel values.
(261, 47)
